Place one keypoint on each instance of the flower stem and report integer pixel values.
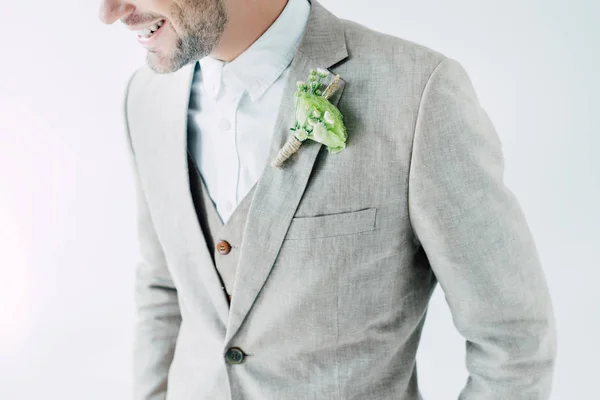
(332, 87)
(290, 147)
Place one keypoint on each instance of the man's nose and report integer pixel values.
(112, 10)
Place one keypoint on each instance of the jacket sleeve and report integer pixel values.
(156, 304)
(478, 243)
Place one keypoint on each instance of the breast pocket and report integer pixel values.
(346, 223)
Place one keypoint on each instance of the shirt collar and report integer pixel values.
(212, 73)
(257, 68)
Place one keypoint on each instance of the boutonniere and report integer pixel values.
(316, 118)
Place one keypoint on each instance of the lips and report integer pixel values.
(149, 37)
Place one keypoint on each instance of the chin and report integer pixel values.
(161, 64)
(159, 67)
(167, 62)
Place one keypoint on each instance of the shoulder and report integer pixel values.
(151, 96)
(404, 65)
(138, 84)
(388, 53)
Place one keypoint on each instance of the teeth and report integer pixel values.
(147, 32)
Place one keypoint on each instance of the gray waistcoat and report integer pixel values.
(215, 232)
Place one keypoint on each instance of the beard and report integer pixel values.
(200, 26)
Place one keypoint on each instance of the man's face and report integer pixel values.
(175, 32)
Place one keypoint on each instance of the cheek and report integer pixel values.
(172, 34)
(162, 7)
(174, 10)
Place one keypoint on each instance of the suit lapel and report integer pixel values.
(163, 155)
(279, 190)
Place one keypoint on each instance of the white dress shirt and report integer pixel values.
(233, 108)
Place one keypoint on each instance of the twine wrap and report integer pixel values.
(332, 87)
(290, 147)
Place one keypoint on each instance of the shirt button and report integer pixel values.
(225, 124)
(234, 355)
(223, 247)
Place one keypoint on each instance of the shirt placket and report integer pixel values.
(228, 127)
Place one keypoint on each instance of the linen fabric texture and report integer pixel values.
(340, 253)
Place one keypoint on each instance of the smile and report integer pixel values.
(149, 31)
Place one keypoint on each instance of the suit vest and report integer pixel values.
(223, 240)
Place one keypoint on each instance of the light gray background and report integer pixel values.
(67, 233)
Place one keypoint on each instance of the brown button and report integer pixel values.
(223, 247)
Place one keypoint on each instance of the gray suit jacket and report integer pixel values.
(341, 252)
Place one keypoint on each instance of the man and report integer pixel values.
(312, 280)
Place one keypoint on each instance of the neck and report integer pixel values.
(247, 21)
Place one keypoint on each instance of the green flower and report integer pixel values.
(316, 118)
(321, 120)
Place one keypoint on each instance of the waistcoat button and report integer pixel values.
(234, 355)
(223, 247)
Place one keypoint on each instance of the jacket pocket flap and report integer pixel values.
(345, 223)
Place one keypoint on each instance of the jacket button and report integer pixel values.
(234, 355)
(223, 247)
